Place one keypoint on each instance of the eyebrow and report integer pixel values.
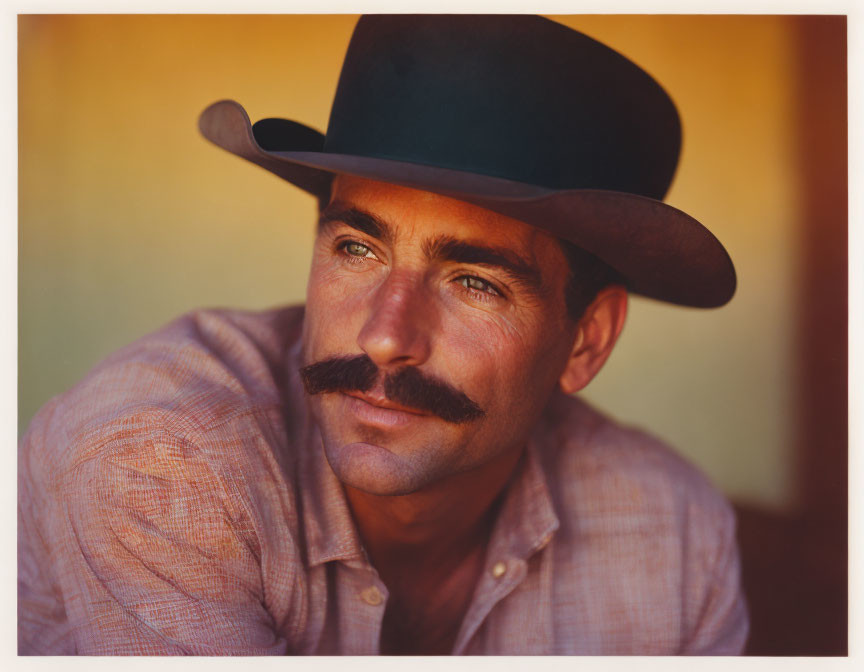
(441, 248)
(448, 248)
(357, 219)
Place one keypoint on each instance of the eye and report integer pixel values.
(477, 285)
(357, 249)
(356, 252)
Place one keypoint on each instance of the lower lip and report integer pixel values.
(381, 417)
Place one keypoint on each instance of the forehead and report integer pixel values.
(412, 213)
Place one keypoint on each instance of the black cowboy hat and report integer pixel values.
(516, 114)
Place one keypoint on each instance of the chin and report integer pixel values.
(381, 460)
(372, 468)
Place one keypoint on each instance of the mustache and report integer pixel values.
(407, 386)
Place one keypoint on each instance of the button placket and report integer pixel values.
(360, 624)
(500, 579)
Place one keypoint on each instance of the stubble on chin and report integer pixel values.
(372, 464)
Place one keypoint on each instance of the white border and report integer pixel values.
(8, 308)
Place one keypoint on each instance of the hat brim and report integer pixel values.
(662, 252)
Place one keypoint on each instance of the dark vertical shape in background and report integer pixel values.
(822, 330)
(795, 565)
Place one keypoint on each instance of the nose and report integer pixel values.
(398, 329)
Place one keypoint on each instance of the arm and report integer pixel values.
(146, 554)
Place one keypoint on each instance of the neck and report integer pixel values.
(441, 523)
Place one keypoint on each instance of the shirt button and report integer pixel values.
(499, 569)
(372, 596)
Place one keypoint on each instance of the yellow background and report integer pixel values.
(129, 218)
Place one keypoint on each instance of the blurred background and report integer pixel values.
(128, 218)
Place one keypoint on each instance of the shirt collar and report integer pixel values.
(527, 519)
(330, 530)
(526, 522)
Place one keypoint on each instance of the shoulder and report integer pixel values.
(181, 398)
(597, 463)
(237, 354)
(644, 537)
(165, 474)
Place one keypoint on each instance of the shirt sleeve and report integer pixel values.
(722, 621)
(146, 553)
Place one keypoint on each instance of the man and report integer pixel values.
(399, 467)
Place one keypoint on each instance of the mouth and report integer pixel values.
(373, 409)
(380, 401)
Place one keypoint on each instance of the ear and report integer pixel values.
(596, 335)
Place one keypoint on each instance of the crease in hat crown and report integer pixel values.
(515, 113)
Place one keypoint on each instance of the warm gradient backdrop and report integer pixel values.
(128, 217)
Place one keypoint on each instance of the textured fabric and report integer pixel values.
(177, 501)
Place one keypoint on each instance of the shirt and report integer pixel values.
(178, 501)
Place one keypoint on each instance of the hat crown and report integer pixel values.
(517, 97)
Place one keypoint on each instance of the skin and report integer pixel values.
(423, 490)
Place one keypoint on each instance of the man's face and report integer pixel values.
(455, 313)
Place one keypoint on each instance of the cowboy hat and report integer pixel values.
(516, 114)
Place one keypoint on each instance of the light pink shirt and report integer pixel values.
(177, 501)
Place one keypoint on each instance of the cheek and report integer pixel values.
(334, 298)
(504, 361)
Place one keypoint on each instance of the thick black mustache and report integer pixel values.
(406, 386)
